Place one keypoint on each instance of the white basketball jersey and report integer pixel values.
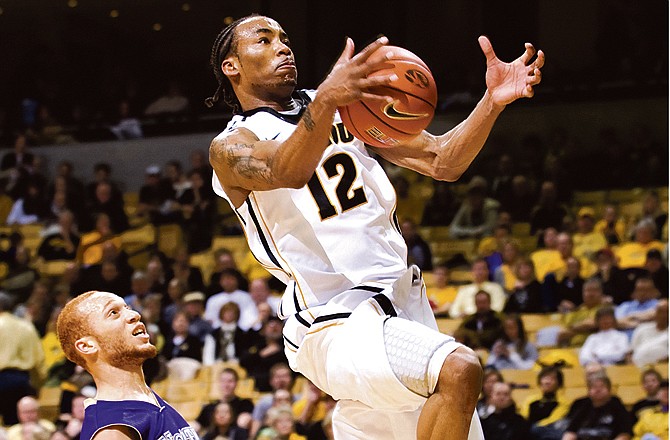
(335, 233)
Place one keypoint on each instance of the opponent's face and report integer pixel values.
(261, 57)
(117, 335)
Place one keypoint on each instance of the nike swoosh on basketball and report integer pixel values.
(393, 113)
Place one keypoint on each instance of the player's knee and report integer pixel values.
(461, 373)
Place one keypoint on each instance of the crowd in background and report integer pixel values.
(605, 274)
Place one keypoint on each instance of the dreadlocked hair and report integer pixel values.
(223, 45)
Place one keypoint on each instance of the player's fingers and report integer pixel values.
(382, 99)
(378, 80)
(539, 61)
(528, 54)
(535, 78)
(529, 92)
(363, 55)
(348, 51)
(487, 48)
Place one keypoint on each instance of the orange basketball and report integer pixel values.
(414, 99)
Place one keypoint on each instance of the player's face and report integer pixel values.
(263, 56)
(122, 339)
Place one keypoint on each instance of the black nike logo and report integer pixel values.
(393, 113)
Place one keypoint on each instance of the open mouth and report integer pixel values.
(140, 331)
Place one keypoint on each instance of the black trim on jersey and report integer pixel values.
(385, 303)
(261, 235)
(295, 297)
(302, 321)
(291, 343)
(299, 96)
(331, 317)
(368, 289)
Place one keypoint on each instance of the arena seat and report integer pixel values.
(448, 325)
(520, 377)
(628, 374)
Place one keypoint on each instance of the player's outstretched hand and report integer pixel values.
(507, 82)
(348, 80)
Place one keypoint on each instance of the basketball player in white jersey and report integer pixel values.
(318, 212)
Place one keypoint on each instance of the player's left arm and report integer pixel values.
(446, 157)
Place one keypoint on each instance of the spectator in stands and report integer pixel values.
(21, 276)
(20, 157)
(546, 410)
(439, 209)
(651, 209)
(70, 423)
(6, 202)
(157, 274)
(20, 355)
(418, 251)
(156, 199)
(504, 423)
(31, 207)
(477, 215)
(586, 240)
(464, 304)
(281, 379)
(653, 423)
(47, 130)
(223, 424)
(265, 353)
(30, 426)
(633, 254)
(513, 350)
(140, 288)
(649, 343)
(198, 205)
(173, 102)
(182, 269)
(193, 305)
(600, 415)
(311, 409)
(60, 241)
(228, 341)
(608, 345)
(658, 271)
(227, 383)
(526, 296)
(504, 273)
(485, 323)
(281, 425)
(547, 258)
(108, 277)
(441, 294)
(224, 259)
(175, 291)
(181, 343)
(259, 290)
(91, 245)
(641, 307)
(548, 212)
(103, 202)
(501, 185)
(491, 377)
(230, 291)
(617, 284)
(564, 295)
(174, 175)
(199, 161)
(102, 172)
(521, 200)
(127, 126)
(651, 383)
(580, 322)
(611, 226)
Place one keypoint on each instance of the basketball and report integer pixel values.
(414, 99)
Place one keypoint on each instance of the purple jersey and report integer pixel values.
(150, 422)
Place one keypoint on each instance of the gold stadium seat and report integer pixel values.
(445, 249)
(205, 262)
(169, 238)
(49, 402)
(448, 325)
(519, 395)
(532, 322)
(628, 374)
(236, 244)
(185, 391)
(520, 377)
(521, 229)
(189, 410)
(629, 394)
(581, 198)
(53, 268)
(573, 393)
(624, 195)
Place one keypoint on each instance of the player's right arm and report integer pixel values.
(116, 432)
(244, 163)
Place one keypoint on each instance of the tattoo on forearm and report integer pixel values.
(240, 158)
(307, 119)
